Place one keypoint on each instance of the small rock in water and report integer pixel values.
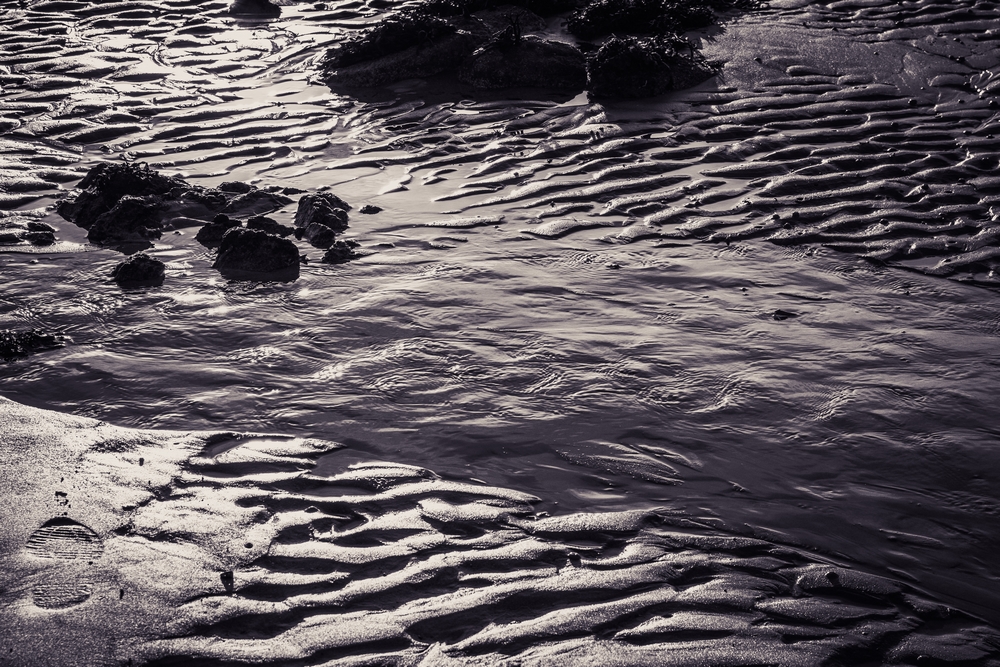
(782, 315)
(370, 209)
(320, 217)
(139, 270)
(340, 252)
(14, 344)
(211, 234)
(236, 187)
(252, 251)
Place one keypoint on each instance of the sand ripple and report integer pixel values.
(245, 554)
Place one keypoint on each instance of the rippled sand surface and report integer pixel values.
(760, 309)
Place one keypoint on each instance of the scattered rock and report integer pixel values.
(251, 251)
(526, 62)
(102, 209)
(270, 226)
(320, 217)
(370, 209)
(340, 252)
(211, 234)
(139, 270)
(783, 315)
(631, 67)
(15, 344)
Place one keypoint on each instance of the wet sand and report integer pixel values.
(838, 140)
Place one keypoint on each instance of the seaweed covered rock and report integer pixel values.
(404, 45)
(340, 252)
(320, 217)
(251, 251)
(15, 344)
(631, 67)
(211, 234)
(526, 62)
(139, 270)
(127, 203)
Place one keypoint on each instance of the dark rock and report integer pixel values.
(211, 234)
(631, 67)
(370, 209)
(319, 235)
(237, 187)
(340, 252)
(529, 62)
(394, 34)
(9, 237)
(105, 188)
(139, 270)
(405, 45)
(254, 8)
(35, 226)
(105, 184)
(270, 226)
(250, 251)
(131, 220)
(14, 344)
(324, 208)
(39, 238)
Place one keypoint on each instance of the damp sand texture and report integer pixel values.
(707, 377)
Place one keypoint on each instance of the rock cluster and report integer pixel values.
(320, 217)
(128, 204)
(15, 230)
(490, 45)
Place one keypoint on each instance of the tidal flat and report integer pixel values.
(705, 377)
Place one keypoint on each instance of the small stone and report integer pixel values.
(139, 270)
(256, 252)
(341, 252)
(370, 209)
(211, 234)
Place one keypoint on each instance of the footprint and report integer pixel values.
(64, 540)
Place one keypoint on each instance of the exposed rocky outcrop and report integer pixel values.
(251, 251)
(15, 344)
(139, 270)
(254, 8)
(526, 62)
(631, 67)
(128, 203)
(320, 217)
(441, 36)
